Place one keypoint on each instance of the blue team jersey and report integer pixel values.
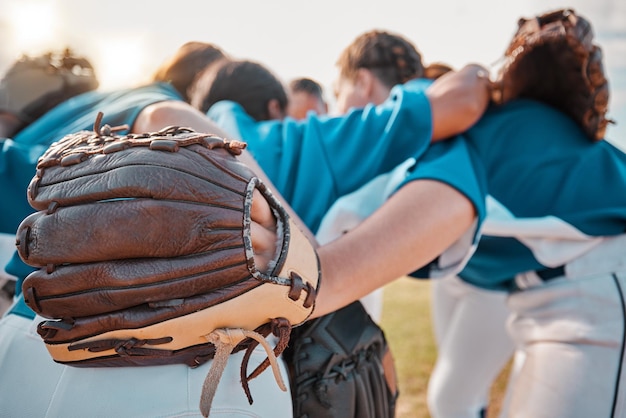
(315, 161)
(552, 193)
(79, 112)
(553, 189)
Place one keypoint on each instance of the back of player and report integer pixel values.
(556, 242)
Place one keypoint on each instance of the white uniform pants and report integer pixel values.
(33, 385)
(473, 346)
(572, 331)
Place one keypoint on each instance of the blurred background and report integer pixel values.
(127, 39)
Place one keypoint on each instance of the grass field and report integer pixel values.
(407, 324)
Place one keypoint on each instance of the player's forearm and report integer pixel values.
(458, 100)
(174, 113)
(412, 228)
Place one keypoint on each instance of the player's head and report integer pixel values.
(182, 68)
(371, 65)
(261, 94)
(306, 95)
(553, 58)
(33, 85)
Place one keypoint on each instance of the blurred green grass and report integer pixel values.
(406, 321)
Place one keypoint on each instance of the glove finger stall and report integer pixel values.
(124, 229)
(186, 175)
(96, 288)
(137, 317)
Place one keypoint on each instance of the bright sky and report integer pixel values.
(127, 39)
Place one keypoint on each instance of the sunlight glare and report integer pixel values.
(119, 62)
(33, 25)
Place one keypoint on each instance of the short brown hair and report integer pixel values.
(307, 85)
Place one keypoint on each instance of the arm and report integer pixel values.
(458, 100)
(177, 113)
(174, 113)
(411, 229)
(386, 246)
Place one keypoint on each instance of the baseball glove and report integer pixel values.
(145, 254)
(340, 366)
(34, 85)
(552, 59)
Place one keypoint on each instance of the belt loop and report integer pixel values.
(527, 280)
(551, 273)
(530, 279)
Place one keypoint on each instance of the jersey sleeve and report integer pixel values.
(79, 113)
(315, 161)
(453, 162)
(17, 168)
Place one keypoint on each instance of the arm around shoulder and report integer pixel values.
(458, 100)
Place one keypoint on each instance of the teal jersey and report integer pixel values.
(17, 168)
(78, 113)
(551, 191)
(315, 161)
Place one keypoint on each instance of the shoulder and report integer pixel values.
(225, 108)
(139, 96)
(231, 117)
(417, 84)
(532, 112)
(529, 121)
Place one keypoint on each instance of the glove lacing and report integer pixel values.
(225, 340)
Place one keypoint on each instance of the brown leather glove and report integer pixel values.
(145, 254)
